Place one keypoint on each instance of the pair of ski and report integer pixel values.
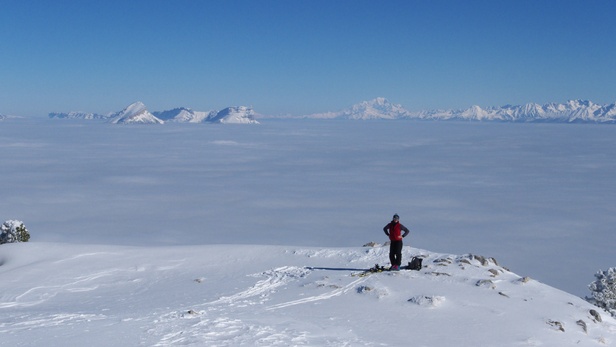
(414, 264)
(375, 269)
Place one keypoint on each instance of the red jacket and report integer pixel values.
(394, 231)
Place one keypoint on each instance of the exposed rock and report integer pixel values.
(465, 261)
(596, 316)
(481, 259)
(442, 261)
(486, 283)
(583, 325)
(556, 324)
(524, 279)
(427, 301)
(441, 274)
(363, 289)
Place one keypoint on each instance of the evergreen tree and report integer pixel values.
(13, 231)
(604, 290)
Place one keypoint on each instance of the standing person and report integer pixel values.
(394, 230)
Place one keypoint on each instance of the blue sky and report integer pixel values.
(302, 57)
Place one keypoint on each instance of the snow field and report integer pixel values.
(65, 295)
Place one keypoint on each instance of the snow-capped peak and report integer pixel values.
(235, 115)
(378, 108)
(135, 108)
(135, 113)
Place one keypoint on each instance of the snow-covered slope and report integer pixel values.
(235, 115)
(185, 115)
(135, 113)
(180, 114)
(231, 115)
(88, 295)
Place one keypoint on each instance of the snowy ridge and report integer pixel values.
(137, 113)
(235, 115)
(77, 115)
(378, 108)
(279, 295)
(230, 115)
(573, 111)
(184, 115)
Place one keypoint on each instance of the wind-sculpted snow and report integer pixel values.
(275, 295)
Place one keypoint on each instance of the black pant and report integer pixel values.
(395, 253)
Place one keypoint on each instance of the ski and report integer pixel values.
(375, 269)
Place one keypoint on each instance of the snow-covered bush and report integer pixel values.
(13, 231)
(604, 290)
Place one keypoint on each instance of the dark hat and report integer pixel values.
(396, 216)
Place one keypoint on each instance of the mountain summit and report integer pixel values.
(98, 295)
(379, 108)
(235, 115)
(135, 113)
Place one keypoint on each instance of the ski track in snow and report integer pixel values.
(37, 295)
(339, 291)
(232, 325)
(27, 322)
(40, 294)
(275, 278)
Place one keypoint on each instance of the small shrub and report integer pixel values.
(603, 290)
(13, 231)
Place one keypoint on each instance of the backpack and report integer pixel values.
(415, 264)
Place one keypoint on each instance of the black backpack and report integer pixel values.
(415, 264)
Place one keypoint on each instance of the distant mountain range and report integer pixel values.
(137, 113)
(573, 111)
